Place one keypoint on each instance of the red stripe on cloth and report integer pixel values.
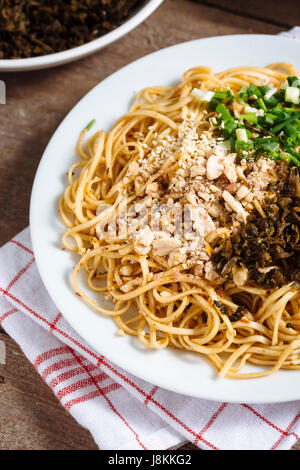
(92, 395)
(178, 421)
(154, 389)
(17, 277)
(61, 332)
(7, 314)
(48, 354)
(81, 346)
(112, 407)
(265, 420)
(21, 246)
(101, 361)
(18, 301)
(69, 374)
(165, 410)
(56, 320)
(58, 366)
(84, 398)
(110, 388)
(83, 383)
(287, 431)
(72, 373)
(210, 422)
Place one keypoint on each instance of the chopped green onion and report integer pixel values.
(290, 130)
(289, 110)
(229, 127)
(277, 109)
(254, 91)
(221, 95)
(90, 124)
(201, 95)
(269, 110)
(287, 157)
(283, 124)
(264, 89)
(225, 113)
(293, 152)
(292, 94)
(243, 94)
(269, 120)
(267, 145)
(250, 109)
(293, 81)
(240, 145)
(270, 93)
(232, 141)
(249, 117)
(208, 96)
(241, 135)
(261, 104)
(271, 102)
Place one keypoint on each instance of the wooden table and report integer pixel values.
(30, 415)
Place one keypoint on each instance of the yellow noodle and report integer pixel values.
(172, 308)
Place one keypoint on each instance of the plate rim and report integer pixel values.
(207, 396)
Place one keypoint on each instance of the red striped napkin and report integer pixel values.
(120, 410)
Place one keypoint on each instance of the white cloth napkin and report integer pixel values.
(120, 410)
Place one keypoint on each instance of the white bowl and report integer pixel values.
(59, 58)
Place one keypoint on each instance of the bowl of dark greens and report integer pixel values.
(36, 34)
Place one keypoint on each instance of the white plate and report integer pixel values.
(51, 60)
(182, 372)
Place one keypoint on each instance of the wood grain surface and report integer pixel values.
(30, 415)
(285, 14)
